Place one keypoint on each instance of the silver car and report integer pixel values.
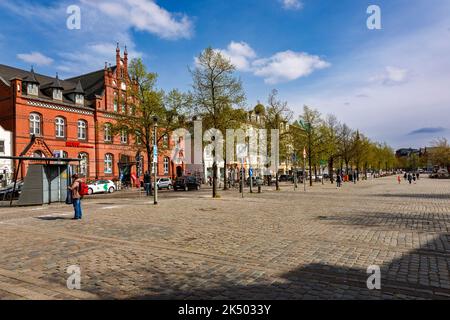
(164, 183)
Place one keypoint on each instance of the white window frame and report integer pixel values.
(109, 158)
(84, 163)
(107, 129)
(57, 94)
(116, 102)
(166, 165)
(32, 89)
(79, 99)
(82, 129)
(60, 127)
(123, 105)
(35, 123)
(124, 137)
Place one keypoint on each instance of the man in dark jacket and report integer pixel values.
(148, 183)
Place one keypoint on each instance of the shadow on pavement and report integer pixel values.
(419, 274)
(54, 218)
(414, 195)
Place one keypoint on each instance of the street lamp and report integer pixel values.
(155, 160)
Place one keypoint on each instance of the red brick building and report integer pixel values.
(71, 118)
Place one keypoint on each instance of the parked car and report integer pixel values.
(187, 183)
(164, 183)
(6, 192)
(285, 178)
(101, 186)
(255, 181)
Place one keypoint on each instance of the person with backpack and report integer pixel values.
(78, 190)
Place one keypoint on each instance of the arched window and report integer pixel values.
(60, 127)
(166, 140)
(82, 130)
(35, 124)
(109, 163)
(124, 137)
(38, 154)
(123, 103)
(107, 130)
(115, 101)
(166, 165)
(84, 163)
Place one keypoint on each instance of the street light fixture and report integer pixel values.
(155, 160)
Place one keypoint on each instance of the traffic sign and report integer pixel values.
(155, 154)
(250, 172)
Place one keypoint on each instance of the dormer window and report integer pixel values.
(79, 99)
(32, 89)
(57, 94)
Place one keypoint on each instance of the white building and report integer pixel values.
(6, 168)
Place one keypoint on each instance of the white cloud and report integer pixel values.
(288, 65)
(391, 76)
(103, 23)
(384, 109)
(146, 15)
(281, 67)
(35, 58)
(240, 54)
(292, 4)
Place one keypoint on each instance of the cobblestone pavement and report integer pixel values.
(274, 245)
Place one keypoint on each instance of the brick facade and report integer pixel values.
(60, 121)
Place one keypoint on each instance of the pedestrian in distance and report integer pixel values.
(410, 178)
(417, 174)
(399, 179)
(147, 183)
(339, 180)
(75, 188)
(405, 176)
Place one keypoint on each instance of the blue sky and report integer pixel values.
(391, 83)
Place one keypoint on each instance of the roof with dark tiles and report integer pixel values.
(90, 84)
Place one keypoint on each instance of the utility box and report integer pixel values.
(44, 184)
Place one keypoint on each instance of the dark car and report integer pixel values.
(187, 183)
(285, 178)
(6, 192)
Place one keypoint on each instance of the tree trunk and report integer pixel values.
(214, 179)
(330, 169)
(225, 175)
(276, 182)
(149, 167)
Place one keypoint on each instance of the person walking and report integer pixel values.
(355, 176)
(410, 178)
(399, 179)
(76, 197)
(417, 174)
(339, 180)
(147, 183)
